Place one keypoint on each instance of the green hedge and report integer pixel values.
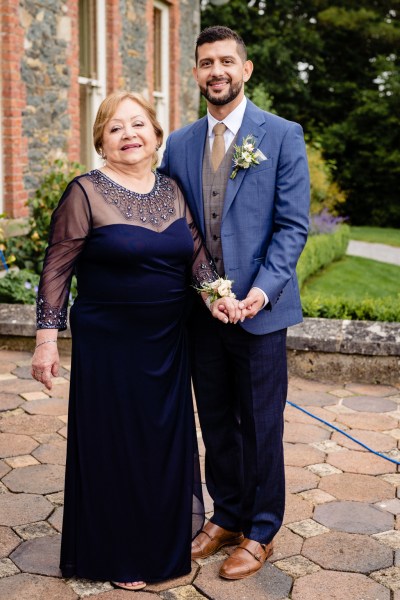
(366, 309)
(19, 287)
(321, 250)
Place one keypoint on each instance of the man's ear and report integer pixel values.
(247, 70)
(194, 72)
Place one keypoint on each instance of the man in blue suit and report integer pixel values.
(255, 226)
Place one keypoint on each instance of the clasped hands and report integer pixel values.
(231, 310)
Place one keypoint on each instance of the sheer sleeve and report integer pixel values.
(70, 227)
(203, 268)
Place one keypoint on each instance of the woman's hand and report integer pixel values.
(46, 360)
(226, 310)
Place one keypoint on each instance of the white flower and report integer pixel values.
(245, 156)
(224, 289)
(220, 288)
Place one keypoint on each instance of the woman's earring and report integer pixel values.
(158, 147)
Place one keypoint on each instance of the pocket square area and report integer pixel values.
(260, 156)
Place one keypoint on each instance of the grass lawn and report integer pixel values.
(355, 277)
(377, 235)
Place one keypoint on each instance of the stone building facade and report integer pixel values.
(59, 58)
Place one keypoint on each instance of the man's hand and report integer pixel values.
(250, 305)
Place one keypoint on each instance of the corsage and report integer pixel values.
(220, 288)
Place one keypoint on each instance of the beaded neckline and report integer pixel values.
(155, 207)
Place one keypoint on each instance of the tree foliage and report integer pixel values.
(334, 67)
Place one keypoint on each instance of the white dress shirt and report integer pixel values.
(233, 122)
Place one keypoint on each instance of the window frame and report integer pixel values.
(95, 86)
(162, 97)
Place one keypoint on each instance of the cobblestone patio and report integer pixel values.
(341, 534)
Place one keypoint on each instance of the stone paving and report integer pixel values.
(341, 534)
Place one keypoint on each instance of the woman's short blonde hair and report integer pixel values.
(107, 110)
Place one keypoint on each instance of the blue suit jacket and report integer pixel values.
(265, 214)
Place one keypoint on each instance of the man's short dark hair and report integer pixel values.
(218, 33)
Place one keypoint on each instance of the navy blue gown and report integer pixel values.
(132, 492)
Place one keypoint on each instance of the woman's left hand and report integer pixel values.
(45, 364)
(226, 310)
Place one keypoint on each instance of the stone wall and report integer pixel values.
(335, 350)
(15, 145)
(46, 121)
(133, 45)
(326, 350)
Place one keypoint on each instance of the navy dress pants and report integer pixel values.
(240, 384)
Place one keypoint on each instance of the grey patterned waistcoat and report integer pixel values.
(214, 186)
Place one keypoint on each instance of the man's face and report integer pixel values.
(221, 73)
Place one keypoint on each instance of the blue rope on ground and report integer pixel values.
(3, 260)
(396, 462)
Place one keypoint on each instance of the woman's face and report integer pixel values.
(129, 137)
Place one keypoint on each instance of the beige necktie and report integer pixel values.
(218, 149)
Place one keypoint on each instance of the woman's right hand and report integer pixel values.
(45, 363)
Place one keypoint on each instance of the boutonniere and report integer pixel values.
(245, 156)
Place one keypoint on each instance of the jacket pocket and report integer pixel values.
(262, 166)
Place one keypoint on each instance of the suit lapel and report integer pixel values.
(194, 163)
(251, 125)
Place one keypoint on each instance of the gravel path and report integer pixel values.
(380, 252)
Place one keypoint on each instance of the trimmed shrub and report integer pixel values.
(321, 250)
(366, 309)
(19, 287)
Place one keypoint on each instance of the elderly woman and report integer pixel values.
(126, 232)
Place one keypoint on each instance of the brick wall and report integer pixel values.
(15, 144)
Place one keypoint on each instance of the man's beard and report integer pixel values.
(232, 93)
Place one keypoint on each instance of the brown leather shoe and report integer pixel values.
(213, 537)
(246, 559)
